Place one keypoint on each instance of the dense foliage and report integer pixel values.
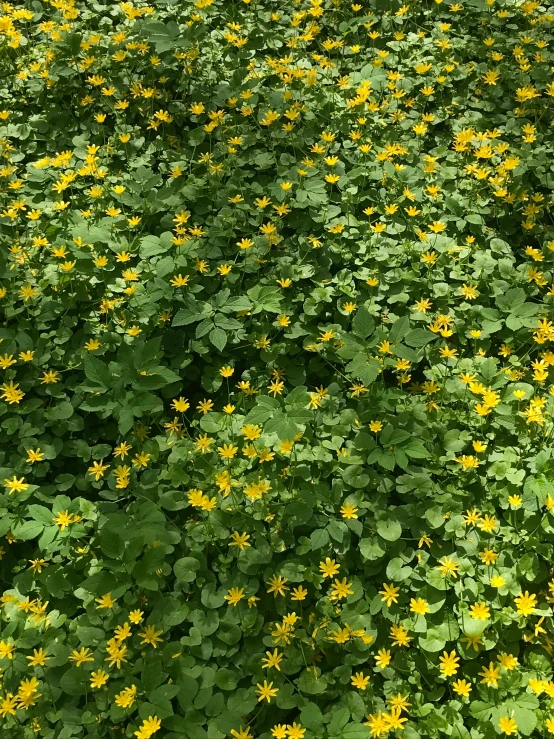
(276, 407)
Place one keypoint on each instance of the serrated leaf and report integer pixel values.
(218, 337)
(97, 373)
(419, 337)
(319, 539)
(363, 323)
(399, 329)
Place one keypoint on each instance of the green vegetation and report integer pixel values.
(276, 298)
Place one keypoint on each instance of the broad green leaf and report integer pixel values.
(389, 529)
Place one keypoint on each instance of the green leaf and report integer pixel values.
(524, 710)
(311, 682)
(211, 597)
(73, 681)
(111, 542)
(225, 679)
(41, 514)
(415, 448)
(364, 369)
(313, 191)
(396, 570)
(61, 411)
(311, 717)
(340, 718)
(150, 246)
(489, 369)
(389, 529)
(481, 710)
(263, 410)
(236, 304)
(265, 299)
(282, 425)
(185, 316)
(229, 633)
(371, 549)
(432, 642)
(399, 330)
(319, 539)
(363, 323)
(355, 731)
(97, 373)
(419, 337)
(27, 530)
(511, 299)
(186, 568)
(89, 635)
(218, 337)
(355, 476)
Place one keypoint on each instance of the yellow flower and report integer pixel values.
(148, 727)
(448, 566)
(383, 658)
(8, 705)
(399, 635)
(525, 603)
(234, 596)
(449, 663)
(122, 632)
(34, 455)
(81, 656)
(377, 724)
(239, 540)
(349, 510)
(299, 593)
(277, 585)
(179, 280)
(479, 611)
(272, 660)
(508, 662)
(63, 519)
(340, 589)
(462, 687)
(359, 680)
(389, 594)
(241, 733)
(227, 451)
(419, 606)
(39, 658)
(6, 650)
(151, 636)
(15, 485)
(488, 557)
(507, 725)
(490, 675)
(329, 568)
(106, 601)
(98, 679)
(266, 691)
(181, 405)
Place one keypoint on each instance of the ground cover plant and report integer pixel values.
(276, 291)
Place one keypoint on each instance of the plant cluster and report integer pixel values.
(276, 298)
